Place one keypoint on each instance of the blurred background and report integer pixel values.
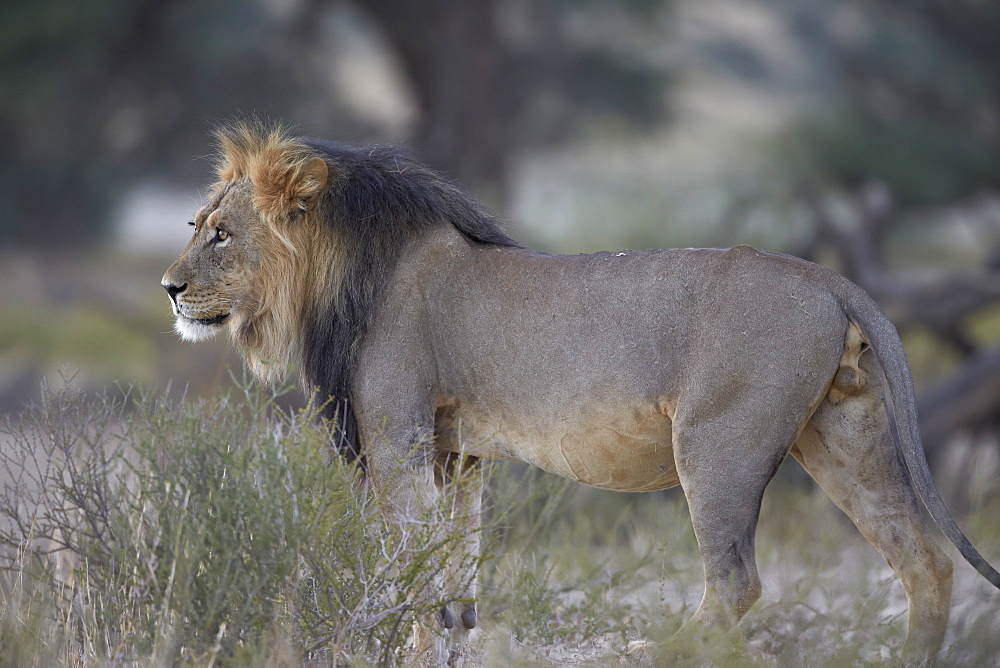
(864, 135)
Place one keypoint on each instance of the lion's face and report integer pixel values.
(211, 283)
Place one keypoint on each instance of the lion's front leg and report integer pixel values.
(460, 479)
(403, 479)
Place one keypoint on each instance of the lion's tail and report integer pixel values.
(883, 338)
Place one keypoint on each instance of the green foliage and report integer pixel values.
(914, 87)
(921, 161)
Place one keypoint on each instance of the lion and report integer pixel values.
(431, 336)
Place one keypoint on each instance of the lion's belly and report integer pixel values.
(630, 453)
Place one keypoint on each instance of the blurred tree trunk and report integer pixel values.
(484, 96)
(966, 400)
(453, 55)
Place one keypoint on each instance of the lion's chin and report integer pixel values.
(197, 330)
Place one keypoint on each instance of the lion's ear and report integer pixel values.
(288, 188)
(308, 182)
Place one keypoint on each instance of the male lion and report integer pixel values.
(401, 299)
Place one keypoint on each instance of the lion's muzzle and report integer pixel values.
(189, 325)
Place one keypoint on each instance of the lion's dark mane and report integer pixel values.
(379, 199)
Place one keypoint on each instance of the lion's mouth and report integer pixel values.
(214, 320)
(208, 322)
(198, 329)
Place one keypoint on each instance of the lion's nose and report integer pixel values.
(174, 290)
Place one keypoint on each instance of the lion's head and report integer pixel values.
(250, 261)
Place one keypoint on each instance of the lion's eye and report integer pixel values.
(221, 235)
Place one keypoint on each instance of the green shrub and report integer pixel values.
(141, 527)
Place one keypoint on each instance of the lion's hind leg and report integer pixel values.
(723, 480)
(848, 449)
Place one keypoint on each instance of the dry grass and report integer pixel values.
(142, 529)
(594, 585)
